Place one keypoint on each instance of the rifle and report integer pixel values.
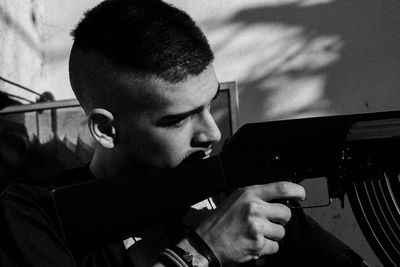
(348, 150)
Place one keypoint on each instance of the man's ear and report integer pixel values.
(101, 126)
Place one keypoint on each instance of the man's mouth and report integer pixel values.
(198, 155)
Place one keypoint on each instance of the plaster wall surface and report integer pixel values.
(21, 46)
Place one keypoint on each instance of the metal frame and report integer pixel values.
(233, 103)
(69, 103)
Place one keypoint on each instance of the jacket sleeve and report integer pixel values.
(28, 236)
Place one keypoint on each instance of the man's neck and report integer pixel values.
(107, 164)
(104, 164)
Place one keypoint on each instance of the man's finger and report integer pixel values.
(274, 231)
(279, 190)
(278, 213)
(274, 212)
(270, 247)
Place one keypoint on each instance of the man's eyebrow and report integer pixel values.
(183, 115)
(179, 116)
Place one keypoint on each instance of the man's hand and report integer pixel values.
(247, 225)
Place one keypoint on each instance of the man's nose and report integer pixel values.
(207, 131)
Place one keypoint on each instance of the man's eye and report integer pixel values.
(176, 123)
(179, 123)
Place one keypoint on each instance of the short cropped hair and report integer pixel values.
(146, 36)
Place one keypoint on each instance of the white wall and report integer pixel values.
(21, 51)
(291, 58)
(297, 58)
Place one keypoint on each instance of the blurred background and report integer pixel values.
(289, 59)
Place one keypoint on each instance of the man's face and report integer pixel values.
(163, 136)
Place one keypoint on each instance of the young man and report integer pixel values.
(143, 72)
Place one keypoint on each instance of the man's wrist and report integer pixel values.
(202, 247)
(189, 249)
(198, 259)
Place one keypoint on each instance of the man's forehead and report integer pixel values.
(151, 93)
(195, 91)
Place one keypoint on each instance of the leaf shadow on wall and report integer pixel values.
(363, 77)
